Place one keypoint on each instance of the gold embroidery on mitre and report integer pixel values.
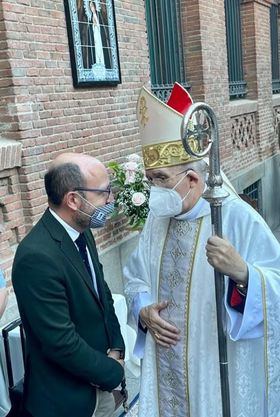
(143, 110)
(167, 154)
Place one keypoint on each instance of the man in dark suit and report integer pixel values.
(74, 345)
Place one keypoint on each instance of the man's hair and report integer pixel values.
(199, 166)
(61, 179)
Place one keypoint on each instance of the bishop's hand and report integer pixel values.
(163, 332)
(225, 259)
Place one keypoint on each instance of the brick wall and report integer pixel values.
(191, 35)
(12, 228)
(41, 110)
(265, 137)
(214, 54)
(204, 38)
(257, 66)
(206, 60)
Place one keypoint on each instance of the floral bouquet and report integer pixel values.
(131, 190)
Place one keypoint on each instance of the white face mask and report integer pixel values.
(166, 202)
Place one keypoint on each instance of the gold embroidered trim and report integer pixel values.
(143, 110)
(198, 231)
(167, 154)
(159, 281)
(265, 338)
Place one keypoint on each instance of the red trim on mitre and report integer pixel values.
(179, 100)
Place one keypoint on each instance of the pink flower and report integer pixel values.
(130, 172)
(134, 158)
(138, 199)
(131, 166)
(129, 177)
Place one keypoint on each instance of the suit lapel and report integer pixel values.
(73, 256)
(67, 246)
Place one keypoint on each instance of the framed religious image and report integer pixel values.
(92, 34)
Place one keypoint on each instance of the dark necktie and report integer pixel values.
(82, 245)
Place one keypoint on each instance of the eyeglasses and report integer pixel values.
(163, 181)
(96, 190)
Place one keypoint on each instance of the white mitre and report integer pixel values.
(160, 128)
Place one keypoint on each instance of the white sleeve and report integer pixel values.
(140, 300)
(248, 325)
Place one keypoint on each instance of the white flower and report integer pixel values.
(138, 199)
(130, 166)
(129, 177)
(134, 158)
(130, 172)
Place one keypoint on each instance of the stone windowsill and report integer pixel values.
(266, 3)
(10, 154)
(244, 106)
(276, 100)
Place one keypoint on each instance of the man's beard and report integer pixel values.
(81, 219)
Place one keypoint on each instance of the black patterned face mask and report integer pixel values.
(100, 215)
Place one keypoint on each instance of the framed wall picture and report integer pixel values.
(92, 34)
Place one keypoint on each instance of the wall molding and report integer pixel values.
(10, 154)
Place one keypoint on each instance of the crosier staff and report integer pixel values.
(197, 135)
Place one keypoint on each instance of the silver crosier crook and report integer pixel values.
(200, 138)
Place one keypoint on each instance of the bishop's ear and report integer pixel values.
(194, 177)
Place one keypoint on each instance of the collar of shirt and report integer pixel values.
(200, 209)
(74, 234)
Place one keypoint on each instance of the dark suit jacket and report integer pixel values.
(68, 329)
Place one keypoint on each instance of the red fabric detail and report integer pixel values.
(236, 298)
(179, 100)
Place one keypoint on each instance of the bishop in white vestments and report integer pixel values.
(169, 284)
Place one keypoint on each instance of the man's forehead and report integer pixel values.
(161, 171)
(97, 176)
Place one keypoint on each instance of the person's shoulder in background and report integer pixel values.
(2, 280)
(3, 294)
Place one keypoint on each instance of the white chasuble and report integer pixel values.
(170, 263)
